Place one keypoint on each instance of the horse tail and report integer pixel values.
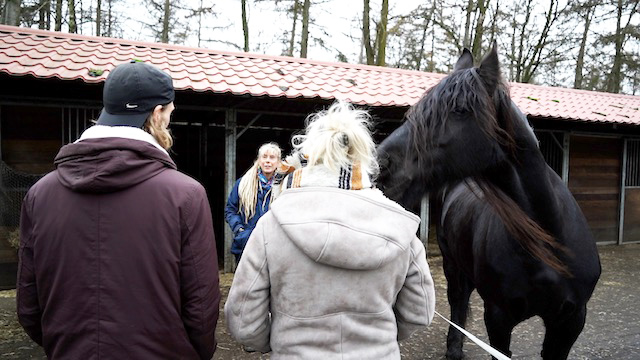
(529, 234)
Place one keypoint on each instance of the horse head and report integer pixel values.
(459, 128)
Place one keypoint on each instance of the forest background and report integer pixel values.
(582, 44)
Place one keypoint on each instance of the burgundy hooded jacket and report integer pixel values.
(118, 257)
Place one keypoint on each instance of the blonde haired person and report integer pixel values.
(334, 270)
(117, 252)
(251, 196)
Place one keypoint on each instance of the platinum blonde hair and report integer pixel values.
(249, 184)
(338, 137)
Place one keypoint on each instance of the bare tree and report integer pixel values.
(366, 33)
(466, 42)
(98, 17)
(71, 7)
(614, 79)
(375, 53)
(245, 26)
(529, 55)
(165, 22)
(381, 34)
(44, 14)
(295, 10)
(58, 19)
(586, 12)
(305, 29)
(11, 13)
(479, 29)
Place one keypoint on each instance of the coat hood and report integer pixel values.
(109, 164)
(351, 229)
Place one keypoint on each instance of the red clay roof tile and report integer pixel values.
(39, 53)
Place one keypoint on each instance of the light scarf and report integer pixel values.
(349, 178)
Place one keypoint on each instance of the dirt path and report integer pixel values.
(612, 330)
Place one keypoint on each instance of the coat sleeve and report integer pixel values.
(247, 308)
(232, 209)
(28, 306)
(415, 304)
(199, 283)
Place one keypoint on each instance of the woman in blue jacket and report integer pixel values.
(251, 196)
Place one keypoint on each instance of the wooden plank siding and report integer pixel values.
(595, 165)
(631, 229)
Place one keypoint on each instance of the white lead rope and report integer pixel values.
(486, 347)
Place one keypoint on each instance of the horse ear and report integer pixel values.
(465, 61)
(489, 69)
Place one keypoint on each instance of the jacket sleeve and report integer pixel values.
(28, 306)
(199, 283)
(232, 209)
(247, 308)
(415, 304)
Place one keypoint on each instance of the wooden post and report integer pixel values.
(566, 141)
(623, 193)
(230, 123)
(424, 220)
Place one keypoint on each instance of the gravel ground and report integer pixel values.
(612, 330)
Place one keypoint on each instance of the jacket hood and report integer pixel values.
(109, 164)
(351, 229)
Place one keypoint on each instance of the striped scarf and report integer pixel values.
(350, 178)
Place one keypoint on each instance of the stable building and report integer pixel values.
(229, 103)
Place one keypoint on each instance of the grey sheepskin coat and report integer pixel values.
(330, 273)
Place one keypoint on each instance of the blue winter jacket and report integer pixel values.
(236, 220)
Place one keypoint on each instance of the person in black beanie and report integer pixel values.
(117, 254)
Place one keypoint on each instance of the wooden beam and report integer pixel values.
(230, 125)
(424, 221)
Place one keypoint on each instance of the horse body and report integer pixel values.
(507, 224)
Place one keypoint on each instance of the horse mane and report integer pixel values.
(461, 91)
(464, 91)
(529, 234)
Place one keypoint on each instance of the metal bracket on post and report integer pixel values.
(424, 220)
(230, 123)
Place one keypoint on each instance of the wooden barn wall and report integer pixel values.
(631, 229)
(594, 179)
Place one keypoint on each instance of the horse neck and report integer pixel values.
(525, 179)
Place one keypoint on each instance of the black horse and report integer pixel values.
(506, 223)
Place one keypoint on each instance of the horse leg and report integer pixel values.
(499, 327)
(459, 289)
(561, 335)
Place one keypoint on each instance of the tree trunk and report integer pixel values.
(245, 26)
(44, 9)
(11, 14)
(366, 34)
(466, 42)
(58, 20)
(292, 43)
(494, 23)
(427, 20)
(477, 38)
(613, 83)
(590, 10)
(165, 22)
(381, 38)
(520, 59)
(109, 19)
(305, 29)
(98, 17)
(71, 4)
